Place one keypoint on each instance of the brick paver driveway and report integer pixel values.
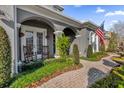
(83, 77)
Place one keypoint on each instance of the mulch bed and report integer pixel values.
(57, 73)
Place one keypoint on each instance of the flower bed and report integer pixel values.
(119, 60)
(96, 56)
(51, 68)
(114, 80)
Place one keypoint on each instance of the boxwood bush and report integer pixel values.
(76, 58)
(5, 58)
(89, 51)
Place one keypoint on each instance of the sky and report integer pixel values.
(96, 13)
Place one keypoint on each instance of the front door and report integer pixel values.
(35, 38)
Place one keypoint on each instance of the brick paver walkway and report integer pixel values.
(83, 77)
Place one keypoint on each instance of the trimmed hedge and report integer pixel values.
(5, 58)
(76, 57)
(89, 51)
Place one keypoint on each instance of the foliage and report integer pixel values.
(95, 56)
(119, 60)
(102, 48)
(121, 49)
(63, 45)
(114, 80)
(89, 51)
(112, 42)
(76, 58)
(33, 65)
(5, 58)
(50, 67)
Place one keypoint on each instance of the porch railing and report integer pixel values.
(30, 55)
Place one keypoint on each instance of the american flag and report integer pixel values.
(100, 33)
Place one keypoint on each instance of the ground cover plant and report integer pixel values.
(114, 80)
(51, 66)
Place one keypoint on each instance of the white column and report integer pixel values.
(93, 41)
(97, 43)
(15, 63)
(57, 34)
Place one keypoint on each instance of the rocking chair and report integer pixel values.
(28, 53)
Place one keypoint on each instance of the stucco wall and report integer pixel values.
(82, 42)
(8, 25)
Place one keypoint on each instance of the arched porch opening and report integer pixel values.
(71, 33)
(37, 33)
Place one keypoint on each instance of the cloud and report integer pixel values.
(77, 5)
(114, 22)
(115, 13)
(99, 10)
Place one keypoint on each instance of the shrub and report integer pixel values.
(50, 67)
(76, 54)
(114, 80)
(63, 45)
(102, 48)
(95, 56)
(112, 43)
(5, 58)
(30, 66)
(89, 51)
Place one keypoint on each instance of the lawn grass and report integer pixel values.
(114, 80)
(95, 57)
(50, 66)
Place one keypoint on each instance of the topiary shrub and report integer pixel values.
(89, 51)
(5, 58)
(76, 54)
(63, 44)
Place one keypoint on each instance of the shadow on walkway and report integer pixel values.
(94, 74)
(109, 63)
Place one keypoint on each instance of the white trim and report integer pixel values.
(34, 30)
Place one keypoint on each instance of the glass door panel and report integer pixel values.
(39, 42)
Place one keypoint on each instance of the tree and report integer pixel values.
(112, 42)
(118, 28)
(63, 44)
(5, 58)
(76, 58)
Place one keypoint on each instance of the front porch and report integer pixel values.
(36, 41)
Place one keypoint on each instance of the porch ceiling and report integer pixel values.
(53, 15)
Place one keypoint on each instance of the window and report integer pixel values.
(29, 39)
(39, 43)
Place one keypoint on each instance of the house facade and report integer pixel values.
(38, 26)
